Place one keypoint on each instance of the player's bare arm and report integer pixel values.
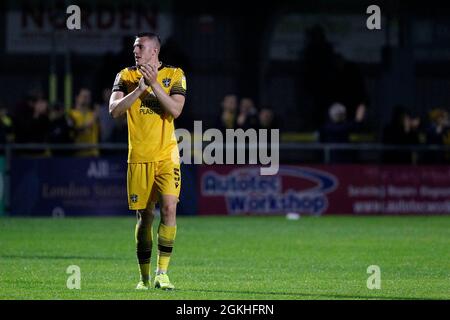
(172, 104)
(119, 103)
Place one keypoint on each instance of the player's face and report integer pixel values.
(145, 51)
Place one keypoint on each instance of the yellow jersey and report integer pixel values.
(151, 131)
(88, 135)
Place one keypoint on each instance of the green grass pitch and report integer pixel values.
(231, 258)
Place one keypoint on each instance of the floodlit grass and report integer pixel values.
(231, 258)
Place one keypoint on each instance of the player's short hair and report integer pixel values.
(151, 36)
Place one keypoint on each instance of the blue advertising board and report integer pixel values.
(80, 187)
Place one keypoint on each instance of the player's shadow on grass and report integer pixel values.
(305, 295)
(56, 257)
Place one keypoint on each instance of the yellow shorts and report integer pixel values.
(147, 181)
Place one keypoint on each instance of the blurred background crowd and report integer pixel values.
(314, 71)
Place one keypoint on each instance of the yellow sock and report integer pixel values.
(144, 241)
(166, 239)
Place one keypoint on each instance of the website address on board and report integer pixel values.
(401, 206)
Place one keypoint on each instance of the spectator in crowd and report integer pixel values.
(438, 133)
(106, 122)
(403, 129)
(24, 115)
(6, 125)
(61, 128)
(227, 119)
(266, 119)
(439, 130)
(33, 124)
(248, 114)
(39, 124)
(338, 128)
(85, 122)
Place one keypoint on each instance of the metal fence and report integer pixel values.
(289, 151)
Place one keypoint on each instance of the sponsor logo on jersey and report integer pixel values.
(150, 105)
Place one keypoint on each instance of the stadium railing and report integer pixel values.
(325, 149)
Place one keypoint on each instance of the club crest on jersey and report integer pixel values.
(166, 82)
(134, 198)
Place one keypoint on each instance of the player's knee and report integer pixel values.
(169, 209)
(145, 216)
(150, 212)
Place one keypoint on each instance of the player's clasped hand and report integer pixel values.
(149, 73)
(142, 85)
